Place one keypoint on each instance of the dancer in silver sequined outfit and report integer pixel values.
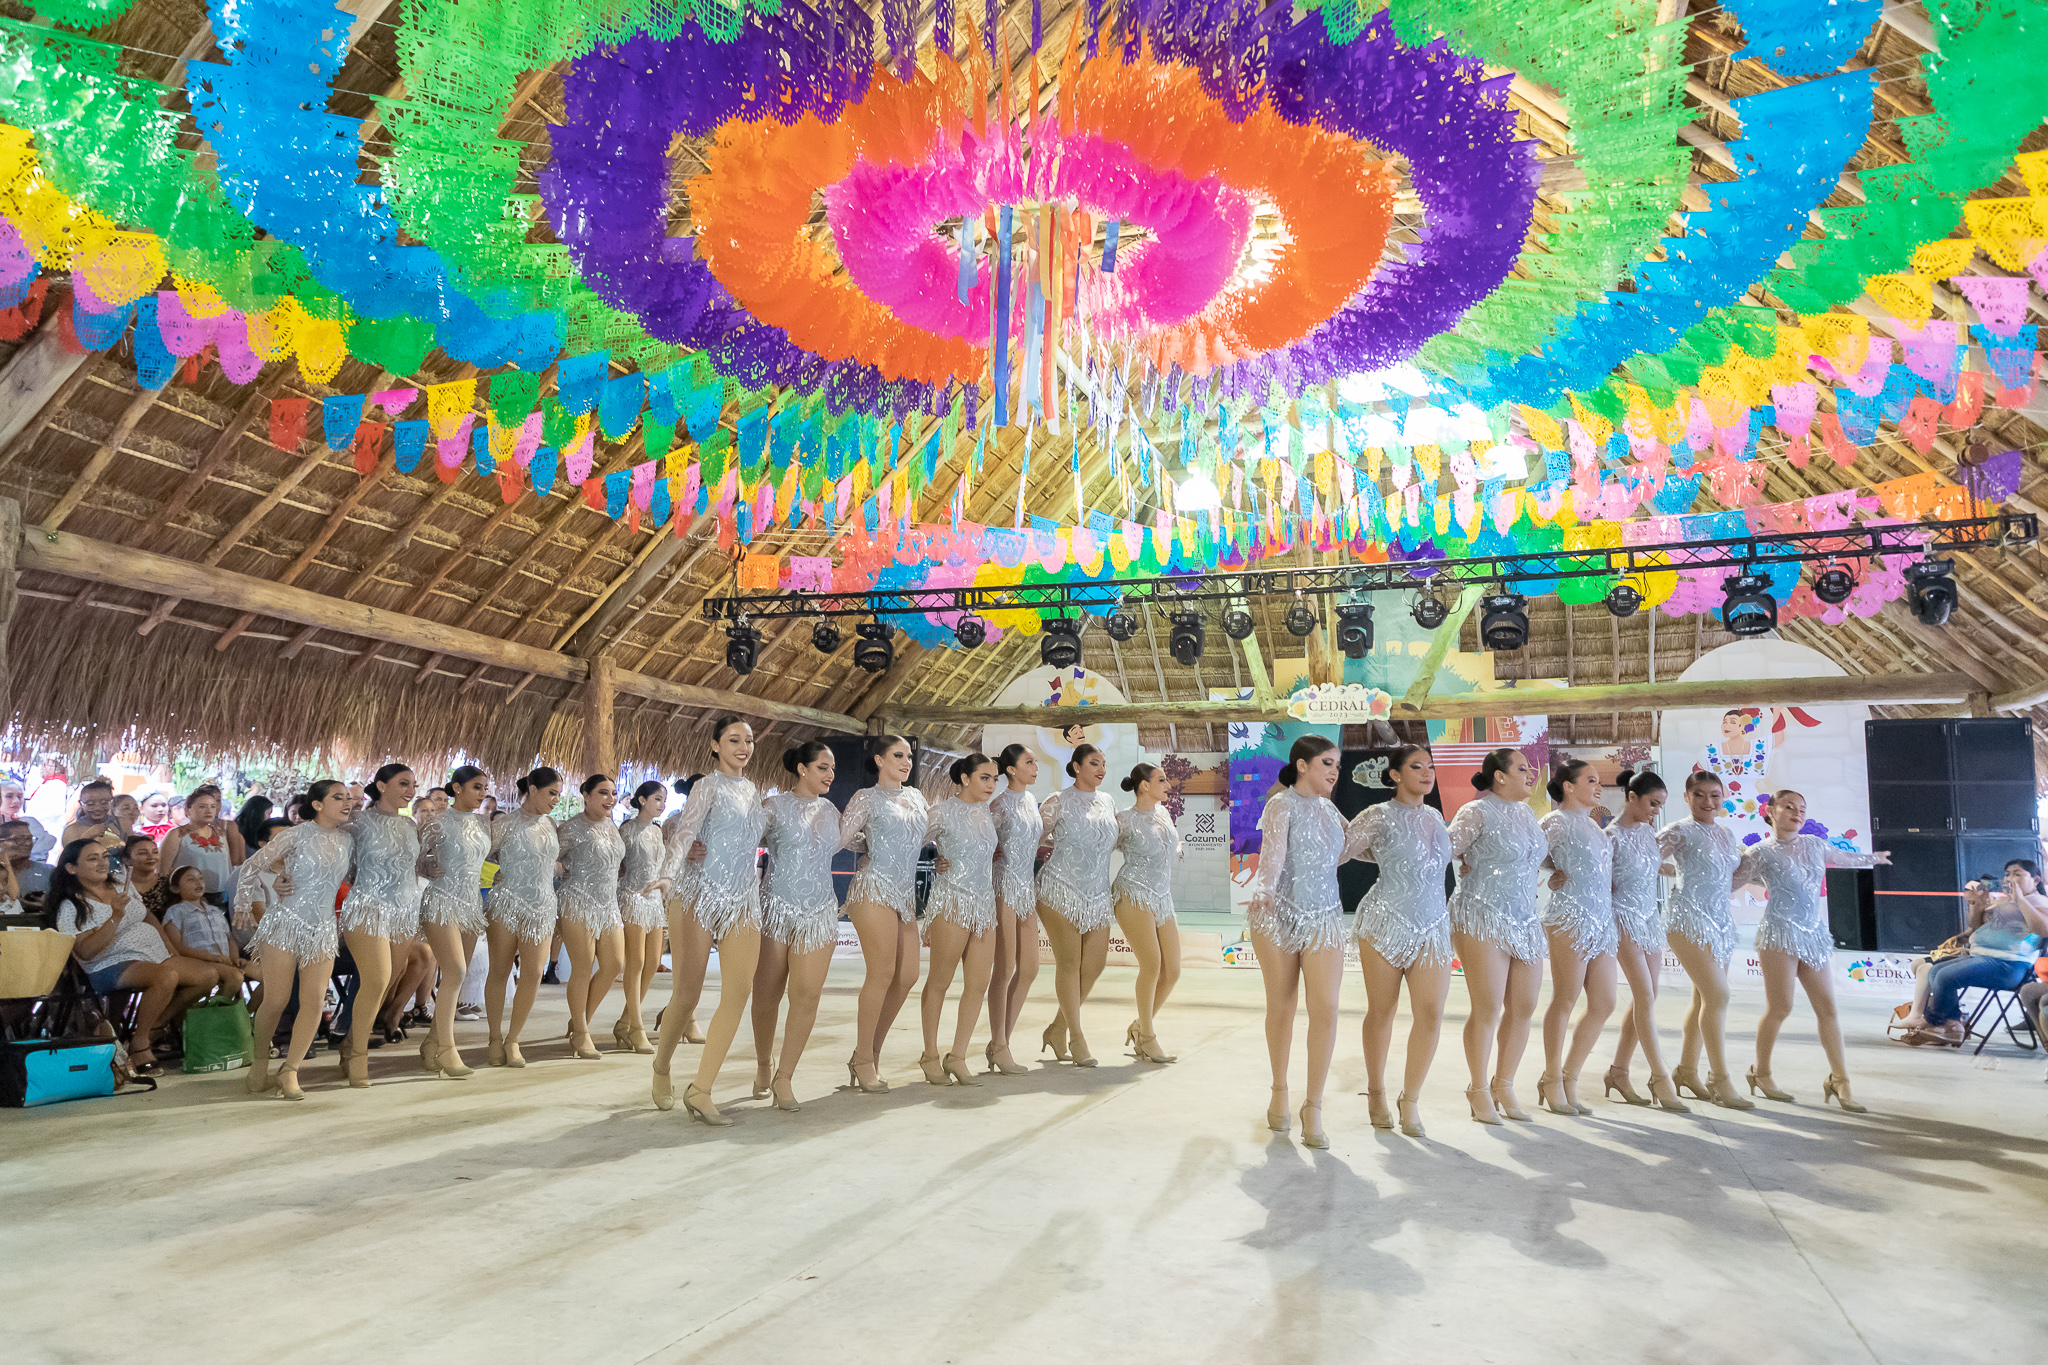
(1142, 895)
(295, 939)
(1019, 829)
(382, 910)
(453, 848)
(960, 915)
(1404, 929)
(799, 914)
(1637, 864)
(1073, 896)
(643, 910)
(1296, 919)
(886, 824)
(1497, 927)
(1793, 942)
(1701, 933)
(592, 850)
(522, 910)
(1581, 925)
(713, 867)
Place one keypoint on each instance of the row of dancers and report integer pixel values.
(1602, 916)
(1008, 865)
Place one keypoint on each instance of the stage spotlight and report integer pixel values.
(1121, 625)
(1185, 643)
(1623, 600)
(1059, 642)
(877, 649)
(970, 631)
(1354, 629)
(742, 642)
(1931, 591)
(1504, 622)
(1749, 609)
(1237, 623)
(1429, 611)
(1301, 620)
(825, 637)
(1833, 585)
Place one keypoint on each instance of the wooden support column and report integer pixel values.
(10, 547)
(137, 408)
(600, 741)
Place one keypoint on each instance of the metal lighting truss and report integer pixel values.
(1169, 592)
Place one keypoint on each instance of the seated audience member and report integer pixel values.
(207, 842)
(198, 930)
(2005, 937)
(31, 875)
(96, 818)
(11, 803)
(121, 948)
(145, 875)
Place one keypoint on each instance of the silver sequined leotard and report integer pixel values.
(642, 866)
(1294, 894)
(1504, 847)
(591, 853)
(302, 923)
(1019, 831)
(384, 885)
(964, 890)
(525, 849)
(798, 908)
(1074, 883)
(1151, 846)
(1635, 885)
(889, 828)
(1405, 917)
(723, 891)
(453, 848)
(1795, 874)
(1583, 908)
(1706, 856)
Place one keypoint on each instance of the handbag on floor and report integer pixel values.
(31, 961)
(219, 1036)
(49, 1070)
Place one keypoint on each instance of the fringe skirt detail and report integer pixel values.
(465, 915)
(284, 929)
(529, 917)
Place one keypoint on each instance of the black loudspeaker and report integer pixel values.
(1950, 800)
(1852, 909)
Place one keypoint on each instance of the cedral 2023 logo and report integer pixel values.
(1882, 971)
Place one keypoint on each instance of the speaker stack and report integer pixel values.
(1950, 800)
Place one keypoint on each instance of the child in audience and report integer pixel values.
(196, 929)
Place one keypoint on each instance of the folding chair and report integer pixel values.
(2008, 1002)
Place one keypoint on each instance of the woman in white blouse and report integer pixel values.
(886, 824)
(960, 914)
(1142, 896)
(1073, 895)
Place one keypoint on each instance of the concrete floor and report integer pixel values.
(1126, 1213)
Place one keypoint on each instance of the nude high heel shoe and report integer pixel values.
(1376, 1108)
(496, 1055)
(258, 1079)
(954, 1067)
(1721, 1090)
(697, 1101)
(513, 1056)
(1761, 1081)
(1473, 1095)
(1276, 1115)
(1058, 1049)
(1684, 1078)
(621, 1034)
(934, 1069)
(288, 1082)
(1317, 1139)
(1667, 1097)
(581, 1048)
(877, 1087)
(999, 1059)
(1617, 1079)
(785, 1094)
(359, 1071)
(1411, 1122)
(638, 1040)
(1555, 1106)
(1502, 1094)
(1568, 1085)
(664, 1092)
(1836, 1088)
(1145, 1047)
